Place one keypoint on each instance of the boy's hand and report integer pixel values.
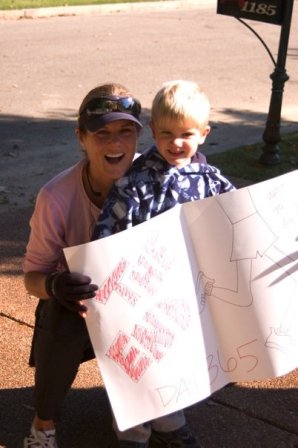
(70, 288)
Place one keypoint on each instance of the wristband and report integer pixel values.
(50, 284)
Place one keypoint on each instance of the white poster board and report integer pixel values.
(200, 296)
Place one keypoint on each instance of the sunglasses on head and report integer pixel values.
(108, 104)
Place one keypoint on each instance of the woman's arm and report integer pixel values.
(35, 284)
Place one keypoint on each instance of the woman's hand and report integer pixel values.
(69, 289)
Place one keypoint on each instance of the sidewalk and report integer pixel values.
(64, 11)
(261, 414)
(37, 123)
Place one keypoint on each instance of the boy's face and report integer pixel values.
(178, 142)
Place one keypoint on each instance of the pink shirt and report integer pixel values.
(64, 216)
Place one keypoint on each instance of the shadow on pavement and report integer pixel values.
(33, 150)
(86, 421)
(233, 417)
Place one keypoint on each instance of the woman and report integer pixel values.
(65, 214)
(66, 211)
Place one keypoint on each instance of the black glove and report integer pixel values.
(69, 288)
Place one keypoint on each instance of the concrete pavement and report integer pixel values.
(48, 65)
(45, 72)
(64, 11)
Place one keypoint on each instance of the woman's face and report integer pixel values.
(111, 149)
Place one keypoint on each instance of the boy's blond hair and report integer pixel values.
(181, 100)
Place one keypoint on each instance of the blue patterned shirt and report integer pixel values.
(151, 186)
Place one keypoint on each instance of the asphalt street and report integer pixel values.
(47, 66)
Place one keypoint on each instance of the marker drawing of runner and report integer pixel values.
(256, 245)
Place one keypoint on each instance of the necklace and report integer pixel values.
(95, 193)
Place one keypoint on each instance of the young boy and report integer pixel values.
(170, 172)
(165, 175)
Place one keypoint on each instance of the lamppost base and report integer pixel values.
(270, 154)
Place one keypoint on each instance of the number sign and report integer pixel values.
(269, 11)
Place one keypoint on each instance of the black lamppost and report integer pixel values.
(271, 135)
(278, 12)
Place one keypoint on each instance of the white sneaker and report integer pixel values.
(41, 439)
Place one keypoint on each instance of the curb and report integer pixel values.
(63, 11)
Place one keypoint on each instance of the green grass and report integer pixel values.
(243, 163)
(23, 4)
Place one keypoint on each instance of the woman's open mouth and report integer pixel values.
(114, 158)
